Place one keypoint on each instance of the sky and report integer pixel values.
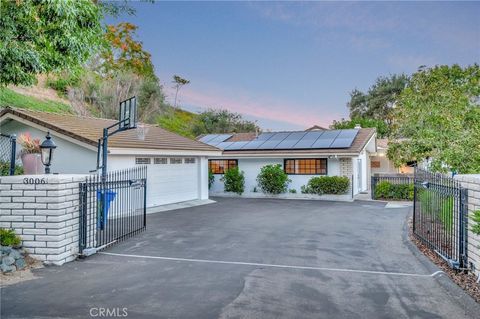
(291, 65)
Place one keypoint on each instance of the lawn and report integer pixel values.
(13, 99)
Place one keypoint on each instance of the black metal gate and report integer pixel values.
(440, 216)
(8, 144)
(112, 208)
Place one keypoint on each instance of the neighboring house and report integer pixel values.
(177, 166)
(302, 154)
(380, 164)
(316, 128)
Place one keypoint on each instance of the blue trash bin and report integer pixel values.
(102, 210)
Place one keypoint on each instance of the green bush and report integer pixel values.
(9, 238)
(272, 179)
(62, 83)
(476, 219)
(211, 178)
(387, 190)
(327, 185)
(5, 169)
(292, 191)
(234, 180)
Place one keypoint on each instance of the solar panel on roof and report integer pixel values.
(236, 145)
(274, 141)
(208, 138)
(223, 145)
(265, 136)
(290, 140)
(219, 139)
(308, 139)
(344, 139)
(326, 139)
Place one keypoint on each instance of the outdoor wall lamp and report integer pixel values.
(47, 148)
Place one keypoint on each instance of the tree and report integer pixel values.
(179, 82)
(123, 52)
(380, 99)
(45, 36)
(380, 125)
(222, 121)
(438, 118)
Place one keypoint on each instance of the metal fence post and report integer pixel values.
(372, 188)
(463, 231)
(13, 150)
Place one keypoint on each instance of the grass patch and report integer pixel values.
(178, 121)
(441, 207)
(11, 98)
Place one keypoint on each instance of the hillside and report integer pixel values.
(175, 120)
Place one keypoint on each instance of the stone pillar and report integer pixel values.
(472, 183)
(44, 211)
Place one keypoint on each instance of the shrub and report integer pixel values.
(5, 169)
(272, 179)
(327, 185)
(387, 190)
(211, 178)
(292, 191)
(476, 219)
(9, 238)
(234, 180)
(442, 207)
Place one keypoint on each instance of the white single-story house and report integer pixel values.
(302, 154)
(177, 167)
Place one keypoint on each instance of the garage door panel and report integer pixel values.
(171, 183)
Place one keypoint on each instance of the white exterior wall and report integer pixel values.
(68, 157)
(251, 167)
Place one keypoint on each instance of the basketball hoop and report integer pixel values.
(142, 131)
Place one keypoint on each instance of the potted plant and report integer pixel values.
(30, 154)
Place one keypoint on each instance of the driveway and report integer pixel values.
(251, 258)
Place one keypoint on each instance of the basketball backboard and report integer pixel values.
(128, 114)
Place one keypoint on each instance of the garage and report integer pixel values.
(177, 167)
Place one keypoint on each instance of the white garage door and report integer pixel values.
(172, 180)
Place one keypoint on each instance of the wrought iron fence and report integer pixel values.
(392, 187)
(8, 144)
(440, 216)
(112, 208)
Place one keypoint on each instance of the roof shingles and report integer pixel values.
(90, 129)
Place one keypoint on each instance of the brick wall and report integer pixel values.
(472, 183)
(44, 211)
(346, 168)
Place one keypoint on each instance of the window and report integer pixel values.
(142, 160)
(220, 166)
(189, 160)
(306, 166)
(175, 160)
(160, 160)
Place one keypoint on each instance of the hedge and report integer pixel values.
(327, 185)
(387, 190)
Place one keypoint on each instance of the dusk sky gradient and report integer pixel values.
(291, 65)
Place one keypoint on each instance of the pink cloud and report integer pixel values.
(242, 102)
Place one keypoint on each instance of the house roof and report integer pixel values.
(358, 142)
(315, 128)
(89, 129)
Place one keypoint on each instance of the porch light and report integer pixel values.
(47, 147)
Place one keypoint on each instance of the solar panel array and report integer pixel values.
(286, 140)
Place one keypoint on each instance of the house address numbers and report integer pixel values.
(31, 180)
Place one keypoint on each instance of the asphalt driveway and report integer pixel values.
(251, 258)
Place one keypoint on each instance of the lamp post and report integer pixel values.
(47, 148)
